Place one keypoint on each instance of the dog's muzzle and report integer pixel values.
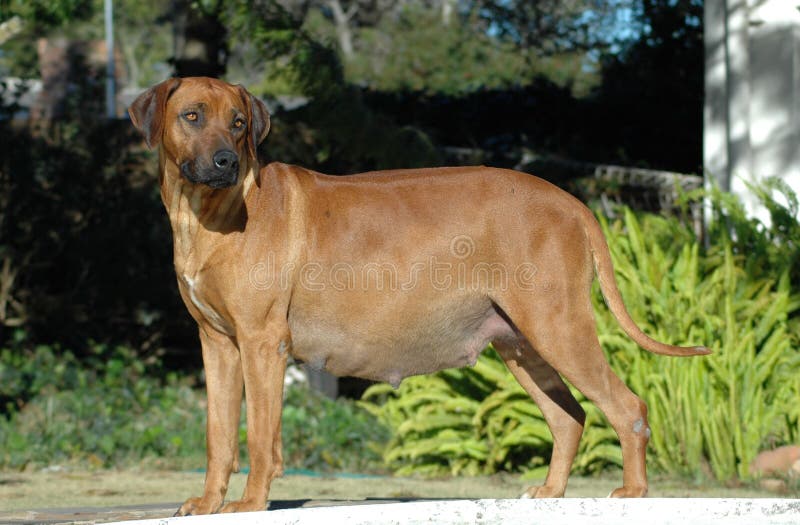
(223, 173)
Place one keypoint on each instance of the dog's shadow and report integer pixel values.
(304, 503)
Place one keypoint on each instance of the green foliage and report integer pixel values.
(103, 411)
(110, 409)
(335, 132)
(475, 421)
(47, 13)
(710, 416)
(305, 65)
(413, 52)
(326, 435)
(718, 411)
(764, 248)
(432, 422)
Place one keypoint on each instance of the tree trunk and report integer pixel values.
(10, 28)
(341, 19)
(447, 11)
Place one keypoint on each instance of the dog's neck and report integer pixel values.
(201, 216)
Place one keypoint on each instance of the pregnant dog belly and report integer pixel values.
(371, 351)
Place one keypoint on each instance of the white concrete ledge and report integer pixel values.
(655, 511)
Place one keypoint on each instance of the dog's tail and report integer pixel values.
(604, 270)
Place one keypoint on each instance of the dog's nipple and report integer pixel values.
(395, 380)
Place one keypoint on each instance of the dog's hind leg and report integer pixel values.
(561, 327)
(563, 414)
(569, 344)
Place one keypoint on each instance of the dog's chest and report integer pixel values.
(194, 293)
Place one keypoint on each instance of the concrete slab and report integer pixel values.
(87, 515)
(516, 511)
(651, 511)
(152, 512)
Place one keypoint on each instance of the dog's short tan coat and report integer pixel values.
(378, 275)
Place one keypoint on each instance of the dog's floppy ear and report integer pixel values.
(259, 120)
(147, 111)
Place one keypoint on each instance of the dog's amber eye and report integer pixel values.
(191, 116)
(238, 123)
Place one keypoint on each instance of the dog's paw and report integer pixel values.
(197, 506)
(542, 492)
(245, 505)
(629, 492)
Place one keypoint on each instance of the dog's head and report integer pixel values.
(208, 128)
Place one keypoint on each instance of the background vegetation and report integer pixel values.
(710, 416)
(113, 410)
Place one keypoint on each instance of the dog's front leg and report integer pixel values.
(223, 370)
(264, 358)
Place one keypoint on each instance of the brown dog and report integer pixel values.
(378, 275)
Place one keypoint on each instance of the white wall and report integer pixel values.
(752, 109)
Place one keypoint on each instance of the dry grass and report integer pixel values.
(108, 488)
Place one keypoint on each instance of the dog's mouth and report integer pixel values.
(219, 184)
(213, 178)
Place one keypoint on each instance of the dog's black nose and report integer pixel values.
(226, 159)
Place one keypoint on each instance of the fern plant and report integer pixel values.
(720, 410)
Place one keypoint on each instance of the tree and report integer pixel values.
(415, 51)
(139, 33)
(451, 46)
(650, 101)
(200, 38)
(546, 27)
(143, 40)
(45, 14)
(345, 15)
(26, 20)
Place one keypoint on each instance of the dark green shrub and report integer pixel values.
(106, 411)
(111, 410)
(326, 435)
